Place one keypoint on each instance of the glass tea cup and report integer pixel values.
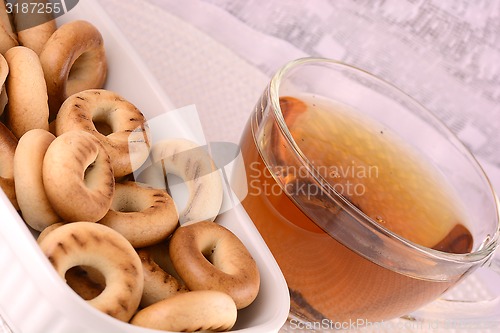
(370, 205)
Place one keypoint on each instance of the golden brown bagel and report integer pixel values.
(78, 178)
(208, 256)
(84, 280)
(73, 60)
(188, 312)
(28, 108)
(35, 207)
(102, 248)
(142, 214)
(123, 128)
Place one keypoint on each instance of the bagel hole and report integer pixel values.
(80, 67)
(85, 72)
(209, 253)
(88, 174)
(103, 127)
(86, 281)
(102, 123)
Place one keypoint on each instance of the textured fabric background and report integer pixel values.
(191, 67)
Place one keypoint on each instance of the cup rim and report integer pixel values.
(488, 245)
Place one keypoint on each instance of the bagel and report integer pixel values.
(102, 248)
(158, 284)
(35, 207)
(78, 178)
(8, 38)
(47, 230)
(28, 108)
(123, 128)
(188, 312)
(208, 256)
(34, 29)
(4, 71)
(143, 215)
(8, 144)
(84, 280)
(190, 162)
(160, 255)
(73, 59)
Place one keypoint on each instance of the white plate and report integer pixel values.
(34, 299)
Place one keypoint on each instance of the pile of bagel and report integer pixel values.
(69, 155)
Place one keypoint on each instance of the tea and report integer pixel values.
(374, 171)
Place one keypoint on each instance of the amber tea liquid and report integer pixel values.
(379, 175)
